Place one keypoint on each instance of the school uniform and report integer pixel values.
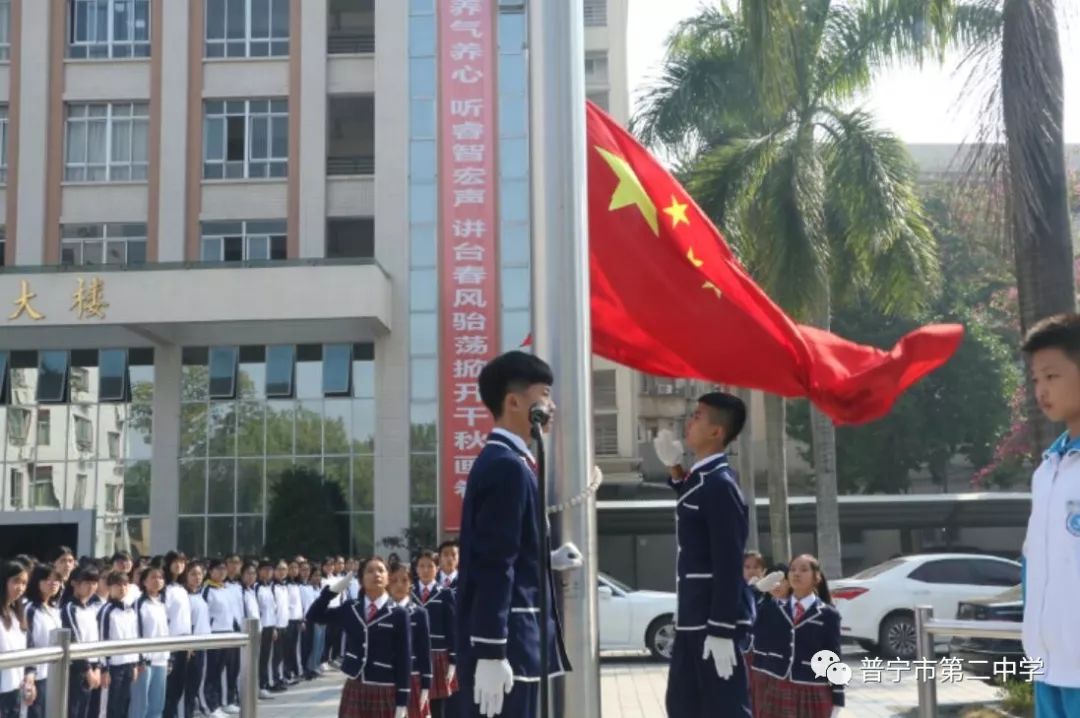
(118, 621)
(499, 577)
(447, 580)
(713, 599)
(292, 636)
(308, 644)
(81, 619)
(268, 621)
(281, 601)
(220, 606)
(12, 638)
(41, 620)
(377, 657)
(178, 608)
(332, 650)
(439, 603)
(420, 633)
(232, 655)
(99, 696)
(196, 676)
(786, 636)
(148, 693)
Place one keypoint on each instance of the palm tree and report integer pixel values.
(818, 201)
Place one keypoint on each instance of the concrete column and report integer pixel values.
(313, 97)
(391, 251)
(165, 466)
(33, 109)
(174, 130)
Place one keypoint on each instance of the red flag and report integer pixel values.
(670, 298)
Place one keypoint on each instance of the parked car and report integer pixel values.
(877, 606)
(978, 655)
(635, 620)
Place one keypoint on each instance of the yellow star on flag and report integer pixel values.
(677, 212)
(694, 260)
(716, 289)
(630, 191)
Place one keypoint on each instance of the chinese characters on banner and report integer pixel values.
(468, 262)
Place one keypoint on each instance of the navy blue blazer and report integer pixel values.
(498, 614)
(442, 616)
(783, 649)
(421, 644)
(711, 527)
(378, 653)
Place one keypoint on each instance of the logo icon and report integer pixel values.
(822, 662)
(839, 674)
(1072, 520)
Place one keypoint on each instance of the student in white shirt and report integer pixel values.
(281, 600)
(178, 607)
(308, 593)
(148, 694)
(42, 618)
(296, 624)
(118, 620)
(79, 615)
(221, 606)
(16, 686)
(264, 591)
(192, 579)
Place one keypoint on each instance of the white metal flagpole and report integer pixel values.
(561, 325)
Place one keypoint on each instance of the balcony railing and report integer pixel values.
(350, 43)
(595, 13)
(337, 165)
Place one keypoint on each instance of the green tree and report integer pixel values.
(306, 516)
(819, 202)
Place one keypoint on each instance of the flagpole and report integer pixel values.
(561, 327)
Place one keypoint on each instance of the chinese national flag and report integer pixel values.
(669, 298)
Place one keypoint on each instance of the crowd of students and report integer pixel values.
(298, 603)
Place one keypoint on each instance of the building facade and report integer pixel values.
(219, 260)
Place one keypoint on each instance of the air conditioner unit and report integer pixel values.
(665, 389)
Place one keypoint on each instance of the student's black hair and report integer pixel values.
(86, 573)
(62, 551)
(508, 373)
(12, 611)
(756, 555)
(42, 572)
(396, 566)
(428, 554)
(167, 563)
(147, 571)
(122, 556)
(822, 588)
(265, 564)
(191, 566)
(449, 543)
(1061, 331)
(27, 561)
(363, 567)
(727, 411)
(117, 578)
(214, 563)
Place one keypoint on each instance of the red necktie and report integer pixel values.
(425, 594)
(799, 611)
(372, 610)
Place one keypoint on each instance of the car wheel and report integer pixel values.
(660, 637)
(898, 636)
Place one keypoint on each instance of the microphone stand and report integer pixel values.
(538, 419)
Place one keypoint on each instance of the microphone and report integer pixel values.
(539, 414)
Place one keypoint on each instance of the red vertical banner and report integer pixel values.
(468, 239)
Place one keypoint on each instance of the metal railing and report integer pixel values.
(926, 627)
(341, 42)
(338, 165)
(62, 652)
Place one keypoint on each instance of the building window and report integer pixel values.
(247, 28)
(280, 371)
(79, 501)
(15, 488)
(224, 362)
(246, 139)
(3, 241)
(18, 425)
(350, 27)
(600, 99)
(596, 68)
(52, 377)
(90, 244)
(603, 386)
(595, 13)
(3, 142)
(107, 142)
(44, 427)
(108, 28)
(243, 241)
(84, 433)
(353, 237)
(43, 490)
(5, 29)
(606, 434)
(337, 370)
(113, 376)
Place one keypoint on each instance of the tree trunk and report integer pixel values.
(1033, 102)
(776, 438)
(823, 437)
(746, 469)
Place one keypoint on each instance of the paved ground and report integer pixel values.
(633, 687)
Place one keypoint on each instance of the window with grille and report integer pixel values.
(247, 28)
(596, 68)
(108, 28)
(606, 434)
(604, 389)
(246, 139)
(595, 13)
(5, 29)
(107, 142)
(92, 244)
(249, 241)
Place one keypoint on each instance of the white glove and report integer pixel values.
(723, 655)
(342, 583)
(765, 584)
(401, 712)
(450, 673)
(494, 680)
(566, 557)
(836, 712)
(424, 698)
(668, 448)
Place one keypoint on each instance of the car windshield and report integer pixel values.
(617, 584)
(879, 569)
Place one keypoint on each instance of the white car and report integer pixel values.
(634, 620)
(877, 606)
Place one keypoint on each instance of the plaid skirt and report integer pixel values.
(440, 687)
(776, 698)
(414, 699)
(362, 700)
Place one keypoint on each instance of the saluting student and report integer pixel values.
(787, 634)
(438, 601)
(378, 653)
(79, 615)
(400, 589)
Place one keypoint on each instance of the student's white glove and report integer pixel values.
(566, 557)
(722, 651)
(668, 448)
(765, 584)
(401, 712)
(342, 583)
(450, 673)
(494, 680)
(424, 698)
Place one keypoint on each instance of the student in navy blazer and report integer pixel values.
(715, 607)
(498, 593)
(378, 645)
(420, 686)
(787, 635)
(438, 601)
